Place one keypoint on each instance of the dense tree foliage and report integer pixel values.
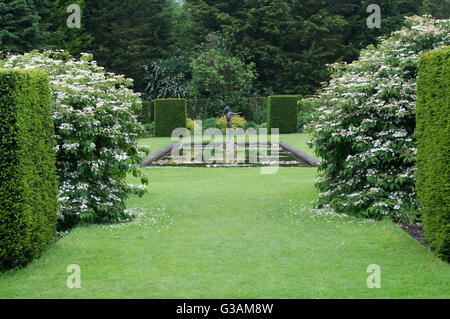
(128, 34)
(166, 78)
(290, 41)
(73, 40)
(439, 9)
(221, 77)
(21, 29)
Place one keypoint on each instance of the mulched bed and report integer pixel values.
(415, 231)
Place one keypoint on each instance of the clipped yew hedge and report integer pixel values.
(28, 182)
(170, 114)
(433, 140)
(282, 113)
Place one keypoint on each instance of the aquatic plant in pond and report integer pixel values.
(241, 155)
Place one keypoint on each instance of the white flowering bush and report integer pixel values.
(96, 135)
(364, 128)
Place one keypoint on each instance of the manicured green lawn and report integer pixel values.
(232, 233)
(155, 143)
(298, 141)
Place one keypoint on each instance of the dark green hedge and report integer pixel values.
(433, 139)
(28, 184)
(282, 113)
(169, 115)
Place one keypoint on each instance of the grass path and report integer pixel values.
(232, 233)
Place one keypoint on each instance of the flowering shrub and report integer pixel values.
(191, 125)
(364, 128)
(236, 122)
(96, 135)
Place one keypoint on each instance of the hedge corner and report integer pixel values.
(433, 148)
(170, 114)
(28, 179)
(282, 113)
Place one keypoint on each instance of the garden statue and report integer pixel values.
(227, 112)
(229, 154)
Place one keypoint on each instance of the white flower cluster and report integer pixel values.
(364, 127)
(96, 134)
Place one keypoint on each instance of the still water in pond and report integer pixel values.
(190, 155)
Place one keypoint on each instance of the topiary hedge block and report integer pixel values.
(433, 143)
(282, 113)
(170, 114)
(28, 180)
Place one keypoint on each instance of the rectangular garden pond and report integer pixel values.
(231, 155)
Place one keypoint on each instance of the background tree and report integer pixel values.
(292, 40)
(358, 35)
(220, 76)
(439, 9)
(167, 78)
(73, 40)
(21, 29)
(182, 33)
(128, 34)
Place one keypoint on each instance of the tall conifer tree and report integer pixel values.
(129, 34)
(73, 40)
(292, 40)
(20, 26)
